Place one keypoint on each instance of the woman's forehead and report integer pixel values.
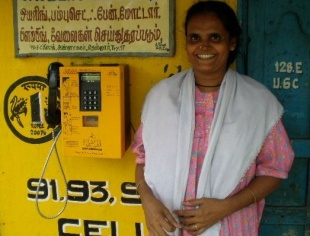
(206, 22)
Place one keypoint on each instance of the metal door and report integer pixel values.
(276, 51)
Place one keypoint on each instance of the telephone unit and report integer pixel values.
(92, 114)
(93, 111)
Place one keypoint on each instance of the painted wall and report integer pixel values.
(102, 197)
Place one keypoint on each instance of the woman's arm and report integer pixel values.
(209, 211)
(259, 188)
(159, 220)
(275, 159)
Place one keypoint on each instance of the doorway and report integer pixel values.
(275, 50)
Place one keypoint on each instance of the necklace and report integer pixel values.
(206, 86)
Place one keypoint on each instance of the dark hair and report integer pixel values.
(225, 13)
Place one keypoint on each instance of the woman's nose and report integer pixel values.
(204, 44)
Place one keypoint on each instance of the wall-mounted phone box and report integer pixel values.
(93, 111)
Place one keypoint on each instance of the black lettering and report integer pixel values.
(139, 228)
(62, 226)
(129, 194)
(89, 226)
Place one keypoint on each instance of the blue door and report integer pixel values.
(276, 51)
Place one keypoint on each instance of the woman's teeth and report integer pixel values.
(203, 56)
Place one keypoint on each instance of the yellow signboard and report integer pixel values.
(94, 28)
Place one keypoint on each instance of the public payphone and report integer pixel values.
(88, 103)
(93, 111)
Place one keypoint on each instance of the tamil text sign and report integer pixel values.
(94, 28)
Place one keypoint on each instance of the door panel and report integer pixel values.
(292, 191)
(276, 51)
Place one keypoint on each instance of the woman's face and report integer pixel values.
(208, 45)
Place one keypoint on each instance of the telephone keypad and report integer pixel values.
(91, 100)
(90, 90)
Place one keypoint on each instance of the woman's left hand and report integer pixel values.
(201, 214)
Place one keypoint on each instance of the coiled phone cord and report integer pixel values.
(53, 147)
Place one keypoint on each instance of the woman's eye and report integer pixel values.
(194, 37)
(215, 37)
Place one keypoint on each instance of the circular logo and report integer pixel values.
(25, 106)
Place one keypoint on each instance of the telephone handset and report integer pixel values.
(52, 115)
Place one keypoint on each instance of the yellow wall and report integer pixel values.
(20, 162)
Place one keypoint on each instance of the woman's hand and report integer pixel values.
(205, 212)
(158, 218)
(201, 214)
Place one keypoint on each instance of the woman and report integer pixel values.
(211, 145)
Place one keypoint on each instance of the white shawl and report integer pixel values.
(245, 113)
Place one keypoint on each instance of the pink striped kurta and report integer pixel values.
(275, 159)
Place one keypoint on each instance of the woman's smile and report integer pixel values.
(205, 56)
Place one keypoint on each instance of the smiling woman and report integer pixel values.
(208, 46)
(212, 39)
(222, 147)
